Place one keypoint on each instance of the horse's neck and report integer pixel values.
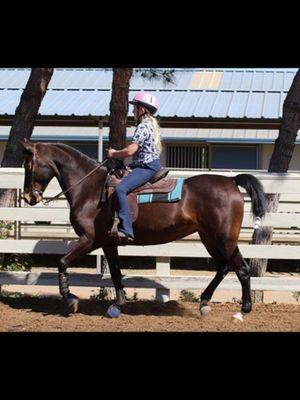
(69, 173)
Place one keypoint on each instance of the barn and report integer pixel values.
(210, 118)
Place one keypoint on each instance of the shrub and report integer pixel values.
(17, 262)
(5, 229)
(188, 296)
(103, 294)
(296, 296)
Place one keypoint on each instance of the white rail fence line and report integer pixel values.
(161, 283)
(286, 184)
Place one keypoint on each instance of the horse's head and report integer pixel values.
(38, 172)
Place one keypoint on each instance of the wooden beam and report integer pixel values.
(148, 282)
(54, 214)
(13, 178)
(174, 249)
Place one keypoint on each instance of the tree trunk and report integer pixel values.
(23, 124)
(22, 127)
(279, 162)
(119, 107)
(285, 143)
(117, 122)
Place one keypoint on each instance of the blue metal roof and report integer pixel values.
(199, 93)
(186, 79)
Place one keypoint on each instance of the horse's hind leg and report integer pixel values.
(232, 255)
(222, 270)
(242, 269)
(227, 253)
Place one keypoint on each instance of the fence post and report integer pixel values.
(162, 269)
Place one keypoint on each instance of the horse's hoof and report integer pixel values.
(120, 297)
(246, 308)
(205, 310)
(238, 317)
(72, 303)
(113, 311)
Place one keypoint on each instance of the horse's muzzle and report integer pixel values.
(32, 198)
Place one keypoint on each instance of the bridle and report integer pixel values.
(40, 192)
(33, 189)
(75, 184)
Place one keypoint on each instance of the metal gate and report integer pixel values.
(187, 156)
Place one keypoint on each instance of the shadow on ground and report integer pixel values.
(55, 306)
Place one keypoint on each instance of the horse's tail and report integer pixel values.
(256, 192)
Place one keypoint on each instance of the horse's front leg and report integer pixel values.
(82, 247)
(112, 256)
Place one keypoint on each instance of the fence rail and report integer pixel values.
(189, 249)
(147, 282)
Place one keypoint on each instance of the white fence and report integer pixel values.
(286, 223)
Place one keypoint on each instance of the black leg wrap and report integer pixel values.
(115, 272)
(63, 284)
(247, 307)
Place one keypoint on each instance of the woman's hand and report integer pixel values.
(126, 152)
(111, 152)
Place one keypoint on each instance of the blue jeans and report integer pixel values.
(140, 175)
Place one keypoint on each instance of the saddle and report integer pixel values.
(158, 184)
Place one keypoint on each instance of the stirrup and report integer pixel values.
(124, 237)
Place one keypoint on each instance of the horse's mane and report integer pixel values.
(78, 155)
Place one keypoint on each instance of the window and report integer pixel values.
(236, 157)
(187, 156)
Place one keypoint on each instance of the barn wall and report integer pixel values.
(266, 153)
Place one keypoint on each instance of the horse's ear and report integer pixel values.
(28, 146)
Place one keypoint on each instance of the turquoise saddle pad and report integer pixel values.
(170, 197)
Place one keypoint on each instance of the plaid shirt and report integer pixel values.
(144, 138)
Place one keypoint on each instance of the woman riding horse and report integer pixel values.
(211, 205)
(145, 148)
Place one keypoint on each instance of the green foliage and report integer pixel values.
(11, 295)
(188, 296)
(166, 75)
(297, 296)
(17, 262)
(5, 229)
(13, 262)
(102, 294)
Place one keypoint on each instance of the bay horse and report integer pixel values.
(211, 205)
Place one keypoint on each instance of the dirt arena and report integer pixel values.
(40, 309)
(33, 314)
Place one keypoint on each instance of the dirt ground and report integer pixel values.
(34, 314)
(40, 309)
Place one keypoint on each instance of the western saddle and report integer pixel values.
(158, 184)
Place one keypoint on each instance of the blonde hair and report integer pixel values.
(157, 140)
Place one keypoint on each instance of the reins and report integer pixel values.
(75, 184)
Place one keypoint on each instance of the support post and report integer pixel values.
(100, 152)
(163, 269)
